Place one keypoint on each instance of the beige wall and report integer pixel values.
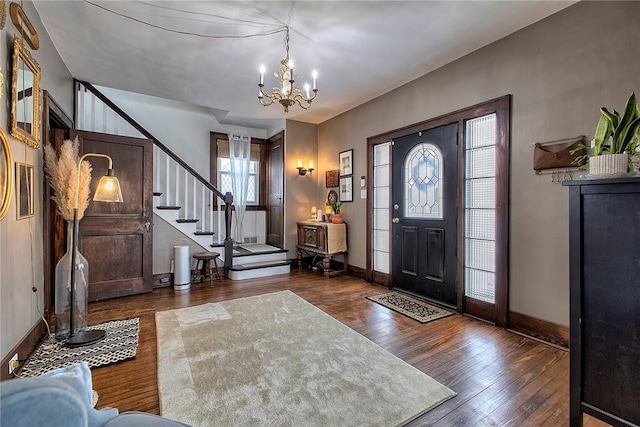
(21, 265)
(559, 71)
(301, 192)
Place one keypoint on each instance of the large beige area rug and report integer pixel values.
(276, 360)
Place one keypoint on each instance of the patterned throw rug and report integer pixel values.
(412, 307)
(120, 344)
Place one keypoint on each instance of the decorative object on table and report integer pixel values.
(615, 141)
(6, 174)
(414, 308)
(120, 344)
(230, 350)
(25, 96)
(336, 216)
(71, 186)
(24, 191)
(345, 160)
(328, 210)
(331, 178)
(346, 188)
(332, 197)
(559, 154)
(287, 93)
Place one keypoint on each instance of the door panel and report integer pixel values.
(116, 238)
(410, 251)
(424, 198)
(275, 188)
(435, 252)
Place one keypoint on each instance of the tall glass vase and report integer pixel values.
(63, 290)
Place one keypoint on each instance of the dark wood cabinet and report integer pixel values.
(604, 217)
(324, 239)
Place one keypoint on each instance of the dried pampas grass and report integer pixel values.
(62, 174)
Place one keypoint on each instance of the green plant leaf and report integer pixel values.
(627, 133)
(625, 125)
(603, 131)
(614, 117)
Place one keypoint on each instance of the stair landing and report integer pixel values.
(258, 260)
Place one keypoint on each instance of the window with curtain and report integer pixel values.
(224, 172)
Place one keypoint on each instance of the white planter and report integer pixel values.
(609, 165)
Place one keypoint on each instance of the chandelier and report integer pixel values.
(288, 93)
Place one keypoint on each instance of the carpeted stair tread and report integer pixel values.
(157, 193)
(257, 265)
(169, 208)
(187, 220)
(204, 233)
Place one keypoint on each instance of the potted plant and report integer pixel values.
(336, 217)
(615, 141)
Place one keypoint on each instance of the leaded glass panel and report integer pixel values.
(423, 186)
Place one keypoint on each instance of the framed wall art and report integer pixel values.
(24, 191)
(346, 162)
(331, 178)
(346, 188)
(6, 174)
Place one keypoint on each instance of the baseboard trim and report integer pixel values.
(157, 280)
(358, 272)
(543, 330)
(24, 348)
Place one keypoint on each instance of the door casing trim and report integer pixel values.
(502, 108)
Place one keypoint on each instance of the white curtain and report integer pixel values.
(240, 156)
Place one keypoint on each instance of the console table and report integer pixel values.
(604, 255)
(323, 238)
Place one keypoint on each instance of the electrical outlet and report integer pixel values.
(13, 363)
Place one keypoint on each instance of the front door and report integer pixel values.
(116, 238)
(424, 211)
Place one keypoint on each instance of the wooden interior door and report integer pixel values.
(275, 190)
(116, 238)
(424, 212)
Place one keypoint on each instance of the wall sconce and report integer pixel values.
(302, 170)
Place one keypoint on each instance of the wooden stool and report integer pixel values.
(205, 262)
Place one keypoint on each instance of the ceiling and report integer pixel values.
(361, 49)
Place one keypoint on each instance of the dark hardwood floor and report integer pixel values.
(501, 378)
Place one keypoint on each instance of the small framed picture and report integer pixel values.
(346, 188)
(331, 178)
(346, 162)
(24, 191)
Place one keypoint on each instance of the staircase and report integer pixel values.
(182, 197)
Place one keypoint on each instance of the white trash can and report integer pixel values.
(181, 267)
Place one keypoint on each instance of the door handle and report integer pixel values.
(395, 220)
(147, 225)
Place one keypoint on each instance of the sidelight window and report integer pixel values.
(480, 208)
(381, 207)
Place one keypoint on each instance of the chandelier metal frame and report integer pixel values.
(288, 94)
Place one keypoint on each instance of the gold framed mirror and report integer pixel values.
(25, 96)
(6, 174)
